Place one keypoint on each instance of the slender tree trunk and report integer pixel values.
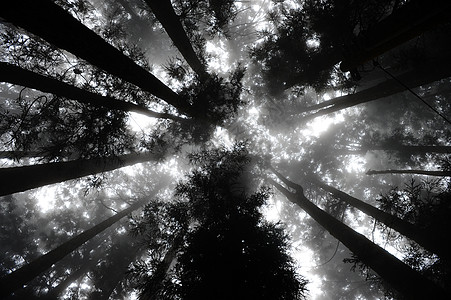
(19, 179)
(411, 20)
(397, 274)
(165, 13)
(425, 74)
(423, 237)
(16, 75)
(52, 23)
(21, 276)
(416, 172)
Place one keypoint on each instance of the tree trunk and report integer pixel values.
(19, 179)
(21, 276)
(52, 23)
(164, 12)
(416, 172)
(397, 274)
(16, 75)
(427, 73)
(423, 237)
(411, 20)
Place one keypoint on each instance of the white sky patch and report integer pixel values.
(355, 164)
(221, 136)
(46, 198)
(219, 57)
(139, 122)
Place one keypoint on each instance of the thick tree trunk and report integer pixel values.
(19, 179)
(397, 274)
(16, 75)
(163, 10)
(423, 237)
(411, 20)
(416, 172)
(19, 277)
(50, 22)
(425, 74)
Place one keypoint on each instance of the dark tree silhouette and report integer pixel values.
(21, 276)
(29, 177)
(166, 15)
(422, 236)
(16, 75)
(42, 18)
(398, 275)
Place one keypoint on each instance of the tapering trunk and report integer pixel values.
(21, 276)
(409, 21)
(19, 179)
(416, 172)
(397, 274)
(164, 12)
(52, 23)
(423, 237)
(16, 75)
(425, 74)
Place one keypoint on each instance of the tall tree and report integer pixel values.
(420, 235)
(42, 18)
(394, 30)
(21, 276)
(166, 15)
(427, 73)
(402, 278)
(230, 245)
(29, 177)
(16, 75)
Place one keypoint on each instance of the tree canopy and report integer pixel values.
(259, 149)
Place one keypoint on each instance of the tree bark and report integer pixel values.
(52, 23)
(427, 73)
(397, 274)
(409, 21)
(21, 276)
(16, 75)
(416, 172)
(19, 179)
(164, 12)
(423, 237)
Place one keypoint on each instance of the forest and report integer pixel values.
(221, 149)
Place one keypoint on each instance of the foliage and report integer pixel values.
(226, 242)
